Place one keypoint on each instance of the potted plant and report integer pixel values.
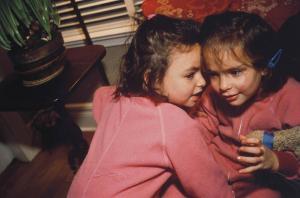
(29, 33)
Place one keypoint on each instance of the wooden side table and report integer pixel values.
(49, 99)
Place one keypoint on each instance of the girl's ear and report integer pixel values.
(264, 72)
(146, 76)
(157, 85)
(146, 79)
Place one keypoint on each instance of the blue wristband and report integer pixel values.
(268, 139)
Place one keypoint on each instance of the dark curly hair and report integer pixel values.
(250, 33)
(149, 52)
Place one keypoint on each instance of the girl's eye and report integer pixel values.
(236, 72)
(210, 74)
(190, 76)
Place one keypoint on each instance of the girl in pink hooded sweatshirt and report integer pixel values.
(145, 138)
(248, 91)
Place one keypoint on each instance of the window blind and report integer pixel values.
(106, 22)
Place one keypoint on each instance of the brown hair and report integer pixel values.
(149, 53)
(230, 31)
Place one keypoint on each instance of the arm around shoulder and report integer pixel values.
(191, 158)
(288, 106)
(286, 146)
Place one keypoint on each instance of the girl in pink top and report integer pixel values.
(248, 91)
(145, 139)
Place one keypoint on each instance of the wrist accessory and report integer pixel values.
(268, 139)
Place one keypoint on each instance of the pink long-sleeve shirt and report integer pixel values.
(223, 124)
(138, 146)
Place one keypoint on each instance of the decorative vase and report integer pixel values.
(42, 64)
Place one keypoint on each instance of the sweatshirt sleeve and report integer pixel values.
(288, 106)
(102, 96)
(288, 165)
(207, 117)
(190, 157)
(288, 109)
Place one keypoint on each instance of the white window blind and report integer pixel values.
(107, 22)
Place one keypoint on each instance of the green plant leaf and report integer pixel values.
(11, 25)
(45, 13)
(37, 8)
(53, 12)
(15, 24)
(4, 42)
(19, 11)
(17, 15)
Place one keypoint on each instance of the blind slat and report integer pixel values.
(97, 3)
(102, 18)
(100, 10)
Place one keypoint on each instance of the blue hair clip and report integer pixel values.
(275, 59)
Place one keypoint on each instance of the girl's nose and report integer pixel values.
(224, 84)
(201, 82)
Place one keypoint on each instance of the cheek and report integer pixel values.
(249, 86)
(166, 85)
(214, 83)
(243, 86)
(180, 91)
(172, 89)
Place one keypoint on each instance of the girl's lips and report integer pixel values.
(198, 94)
(231, 97)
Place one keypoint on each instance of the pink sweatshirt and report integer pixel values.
(223, 124)
(138, 147)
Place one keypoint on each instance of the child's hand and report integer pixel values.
(256, 156)
(256, 134)
(288, 139)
